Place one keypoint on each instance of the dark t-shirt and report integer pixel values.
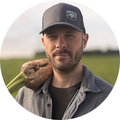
(61, 98)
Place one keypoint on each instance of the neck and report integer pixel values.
(66, 80)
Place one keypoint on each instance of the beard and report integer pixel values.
(65, 66)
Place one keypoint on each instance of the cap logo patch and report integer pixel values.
(71, 15)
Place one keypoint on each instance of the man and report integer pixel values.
(72, 90)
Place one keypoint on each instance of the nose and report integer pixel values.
(61, 44)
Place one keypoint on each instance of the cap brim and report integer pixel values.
(62, 23)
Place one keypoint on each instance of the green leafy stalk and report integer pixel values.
(19, 81)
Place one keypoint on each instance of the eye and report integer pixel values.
(52, 36)
(70, 36)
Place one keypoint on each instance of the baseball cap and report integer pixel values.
(63, 14)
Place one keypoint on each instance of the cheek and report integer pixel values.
(48, 47)
(76, 45)
(77, 48)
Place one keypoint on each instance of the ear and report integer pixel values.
(85, 40)
(43, 41)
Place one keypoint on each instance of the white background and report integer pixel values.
(11, 9)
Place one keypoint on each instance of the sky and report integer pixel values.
(22, 39)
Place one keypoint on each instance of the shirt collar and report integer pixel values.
(87, 84)
(45, 85)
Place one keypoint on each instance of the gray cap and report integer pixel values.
(63, 14)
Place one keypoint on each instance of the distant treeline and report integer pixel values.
(98, 52)
(94, 52)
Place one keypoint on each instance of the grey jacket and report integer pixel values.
(92, 93)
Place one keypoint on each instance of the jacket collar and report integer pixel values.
(44, 88)
(87, 84)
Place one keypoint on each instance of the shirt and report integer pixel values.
(92, 93)
(61, 98)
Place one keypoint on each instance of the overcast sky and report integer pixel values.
(23, 39)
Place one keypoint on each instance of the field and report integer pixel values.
(105, 67)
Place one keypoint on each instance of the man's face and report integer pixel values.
(64, 47)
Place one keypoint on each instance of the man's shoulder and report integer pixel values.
(104, 86)
(27, 93)
(100, 83)
(94, 84)
(23, 93)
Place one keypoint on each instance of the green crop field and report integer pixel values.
(105, 67)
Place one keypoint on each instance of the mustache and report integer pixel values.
(61, 51)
